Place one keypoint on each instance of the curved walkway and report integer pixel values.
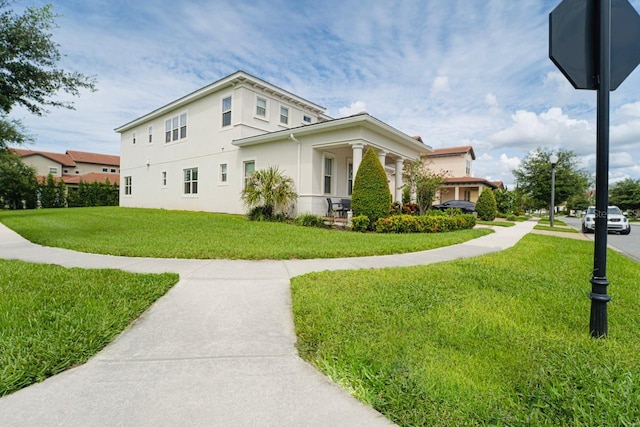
(216, 350)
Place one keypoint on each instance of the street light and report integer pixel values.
(553, 159)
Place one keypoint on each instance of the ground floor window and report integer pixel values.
(249, 168)
(350, 178)
(191, 181)
(223, 172)
(328, 174)
(127, 185)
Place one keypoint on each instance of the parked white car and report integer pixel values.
(616, 221)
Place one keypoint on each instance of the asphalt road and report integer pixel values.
(628, 245)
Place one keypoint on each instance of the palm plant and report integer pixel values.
(270, 190)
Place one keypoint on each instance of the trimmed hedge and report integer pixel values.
(371, 195)
(424, 224)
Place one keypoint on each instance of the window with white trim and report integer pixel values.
(191, 181)
(350, 178)
(105, 169)
(261, 107)
(328, 174)
(226, 111)
(53, 171)
(284, 115)
(306, 119)
(150, 134)
(223, 172)
(468, 168)
(175, 128)
(164, 178)
(133, 136)
(249, 168)
(127, 185)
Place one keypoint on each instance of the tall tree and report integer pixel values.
(18, 183)
(625, 194)
(29, 72)
(533, 177)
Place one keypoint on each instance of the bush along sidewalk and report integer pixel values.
(424, 224)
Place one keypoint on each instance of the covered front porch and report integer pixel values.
(463, 188)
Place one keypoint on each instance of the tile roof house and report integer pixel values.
(72, 166)
(195, 152)
(460, 184)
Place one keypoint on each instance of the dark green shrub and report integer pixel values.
(424, 223)
(486, 206)
(310, 220)
(260, 213)
(371, 195)
(360, 223)
(410, 209)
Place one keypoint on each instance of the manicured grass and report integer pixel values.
(554, 228)
(53, 318)
(501, 339)
(175, 234)
(548, 221)
(497, 223)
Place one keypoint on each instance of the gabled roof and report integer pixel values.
(469, 180)
(239, 77)
(94, 158)
(63, 159)
(452, 151)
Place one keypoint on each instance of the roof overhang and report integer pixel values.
(363, 119)
(236, 79)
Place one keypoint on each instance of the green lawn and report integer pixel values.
(554, 228)
(501, 339)
(53, 318)
(497, 223)
(176, 234)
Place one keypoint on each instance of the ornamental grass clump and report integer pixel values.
(371, 196)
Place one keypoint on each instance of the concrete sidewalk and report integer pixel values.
(216, 350)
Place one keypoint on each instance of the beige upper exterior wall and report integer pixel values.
(456, 164)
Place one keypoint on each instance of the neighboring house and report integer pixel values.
(72, 166)
(196, 152)
(459, 184)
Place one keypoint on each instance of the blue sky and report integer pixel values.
(455, 72)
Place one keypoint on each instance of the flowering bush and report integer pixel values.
(424, 224)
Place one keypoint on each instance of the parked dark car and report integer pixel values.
(464, 205)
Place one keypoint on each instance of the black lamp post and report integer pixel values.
(554, 160)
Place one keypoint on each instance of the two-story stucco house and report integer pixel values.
(459, 183)
(195, 152)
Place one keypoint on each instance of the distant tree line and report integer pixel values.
(20, 189)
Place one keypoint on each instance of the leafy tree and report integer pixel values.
(29, 75)
(486, 206)
(53, 194)
(371, 196)
(271, 191)
(625, 194)
(506, 201)
(425, 182)
(533, 177)
(578, 202)
(18, 182)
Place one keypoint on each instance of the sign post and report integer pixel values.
(596, 45)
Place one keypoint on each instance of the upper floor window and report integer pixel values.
(105, 169)
(133, 136)
(150, 134)
(306, 119)
(53, 171)
(175, 128)
(191, 181)
(468, 168)
(127, 185)
(261, 107)
(226, 111)
(284, 115)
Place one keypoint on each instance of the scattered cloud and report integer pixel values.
(354, 108)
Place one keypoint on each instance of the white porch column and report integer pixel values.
(382, 156)
(357, 157)
(399, 181)
(457, 193)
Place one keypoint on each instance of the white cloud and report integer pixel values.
(491, 100)
(440, 84)
(354, 108)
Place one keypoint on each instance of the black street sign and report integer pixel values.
(573, 41)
